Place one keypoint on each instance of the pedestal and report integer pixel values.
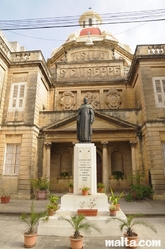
(85, 167)
(84, 175)
(70, 203)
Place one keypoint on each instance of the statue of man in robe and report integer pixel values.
(85, 119)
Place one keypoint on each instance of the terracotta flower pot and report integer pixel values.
(84, 192)
(41, 194)
(87, 212)
(117, 207)
(5, 199)
(70, 189)
(100, 190)
(131, 242)
(112, 212)
(51, 211)
(76, 243)
(29, 240)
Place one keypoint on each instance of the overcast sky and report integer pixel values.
(48, 39)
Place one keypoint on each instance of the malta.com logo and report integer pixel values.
(124, 242)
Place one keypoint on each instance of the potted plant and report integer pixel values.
(5, 198)
(112, 209)
(79, 223)
(31, 220)
(140, 192)
(41, 187)
(65, 175)
(101, 187)
(53, 205)
(115, 199)
(85, 190)
(91, 211)
(118, 175)
(70, 185)
(131, 237)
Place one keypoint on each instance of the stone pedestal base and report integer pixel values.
(69, 205)
(56, 227)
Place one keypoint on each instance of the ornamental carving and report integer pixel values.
(67, 101)
(22, 56)
(113, 99)
(158, 49)
(92, 100)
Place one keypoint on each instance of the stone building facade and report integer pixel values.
(39, 102)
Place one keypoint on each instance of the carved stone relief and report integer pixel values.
(156, 49)
(113, 99)
(22, 56)
(67, 101)
(93, 100)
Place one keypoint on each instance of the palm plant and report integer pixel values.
(32, 218)
(79, 223)
(129, 223)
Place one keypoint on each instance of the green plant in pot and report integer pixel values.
(128, 224)
(5, 196)
(70, 185)
(118, 175)
(79, 223)
(53, 205)
(41, 187)
(115, 198)
(100, 187)
(112, 209)
(140, 192)
(31, 219)
(85, 190)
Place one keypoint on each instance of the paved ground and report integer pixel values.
(12, 229)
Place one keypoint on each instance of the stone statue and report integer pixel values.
(85, 119)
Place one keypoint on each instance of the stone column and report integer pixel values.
(133, 154)
(105, 165)
(47, 170)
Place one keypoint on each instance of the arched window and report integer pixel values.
(90, 21)
(83, 24)
(117, 162)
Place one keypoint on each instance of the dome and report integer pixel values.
(91, 31)
(90, 18)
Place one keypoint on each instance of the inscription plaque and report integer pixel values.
(84, 166)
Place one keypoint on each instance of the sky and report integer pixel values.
(46, 40)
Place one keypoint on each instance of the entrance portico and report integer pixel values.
(115, 147)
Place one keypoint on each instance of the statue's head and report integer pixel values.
(85, 100)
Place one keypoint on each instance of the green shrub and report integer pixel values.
(141, 191)
(129, 197)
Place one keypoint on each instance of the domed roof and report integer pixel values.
(91, 31)
(96, 18)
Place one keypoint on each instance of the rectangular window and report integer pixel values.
(17, 97)
(159, 89)
(12, 159)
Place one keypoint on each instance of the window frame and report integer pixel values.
(17, 99)
(159, 95)
(13, 159)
